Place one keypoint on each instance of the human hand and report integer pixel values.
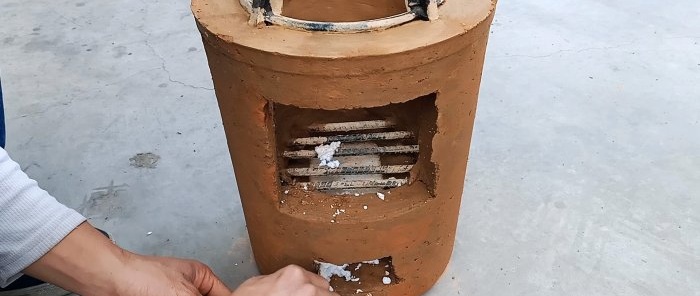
(89, 264)
(162, 276)
(289, 281)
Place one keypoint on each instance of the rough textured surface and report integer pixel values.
(415, 226)
(582, 176)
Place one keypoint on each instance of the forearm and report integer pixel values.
(85, 262)
(31, 221)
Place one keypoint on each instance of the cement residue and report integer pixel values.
(145, 160)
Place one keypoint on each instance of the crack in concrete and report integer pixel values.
(163, 65)
(47, 109)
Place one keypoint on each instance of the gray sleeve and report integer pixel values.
(32, 222)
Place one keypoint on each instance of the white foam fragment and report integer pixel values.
(358, 266)
(386, 280)
(386, 272)
(333, 164)
(357, 194)
(358, 291)
(325, 154)
(306, 186)
(329, 270)
(286, 192)
(149, 233)
(373, 262)
(380, 195)
(364, 207)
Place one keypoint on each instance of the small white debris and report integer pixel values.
(332, 221)
(364, 207)
(283, 201)
(386, 280)
(333, 164)
(386, 272)
(304, 213)
(325, 154)
(358, 291)
(373, 262)
(149, 233)
(380, 195)
(357, 194)
(328, 270)
(286, 192)
(331, 289)
(358, 266)
(236, 264)
(306, 186)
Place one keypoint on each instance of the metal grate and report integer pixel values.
(360, 154)
(270, 12)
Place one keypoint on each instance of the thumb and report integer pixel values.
(208, 283)
(218, 288)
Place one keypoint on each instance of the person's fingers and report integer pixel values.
(309, 290)
(218, 288)
(327, 292)
(317, 280)
(207, 282)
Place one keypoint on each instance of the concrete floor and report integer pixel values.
(585, 168)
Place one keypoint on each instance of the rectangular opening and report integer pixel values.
(360, 277)
(371, 149)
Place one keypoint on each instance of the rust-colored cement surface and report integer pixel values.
(259, 71)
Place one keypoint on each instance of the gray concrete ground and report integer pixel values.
(585, 168)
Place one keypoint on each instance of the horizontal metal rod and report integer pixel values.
(352, 138)
(354, 170)
(353, 184)
(352, 126)
(301, 154)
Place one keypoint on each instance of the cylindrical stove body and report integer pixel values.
(273, 82)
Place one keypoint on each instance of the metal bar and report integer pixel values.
(352, 126)
(387, 183)
(344, 27)
(301, 154)
(356, 170)
(274, 17)
(353, 138)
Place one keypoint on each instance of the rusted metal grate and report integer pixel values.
(360, 155)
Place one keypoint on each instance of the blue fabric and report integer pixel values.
(2, 120)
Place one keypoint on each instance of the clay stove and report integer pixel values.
(349, 125)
